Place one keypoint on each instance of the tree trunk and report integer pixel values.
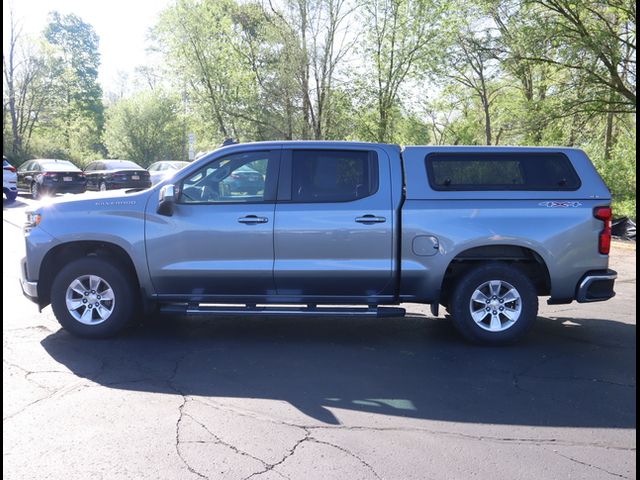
(306, 101)
(487, 121)
(609, 139)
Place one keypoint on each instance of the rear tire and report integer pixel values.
(119, 313)
(35, 191)
(494, 304)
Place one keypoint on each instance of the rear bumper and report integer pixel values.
(136, 184)
(62, 188)
(596, 286)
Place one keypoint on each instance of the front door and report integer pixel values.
(334, 224)
(218, 244)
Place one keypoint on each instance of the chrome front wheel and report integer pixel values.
(94, 296)
(90, 299)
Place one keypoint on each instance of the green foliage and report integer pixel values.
(76, 108)
(144, 128)
(503, 72)
(619, 172)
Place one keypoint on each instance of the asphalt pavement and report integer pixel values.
(306, 398)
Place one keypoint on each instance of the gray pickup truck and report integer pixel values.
(482, 231)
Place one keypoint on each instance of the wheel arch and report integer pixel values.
(526, 259)
(69, 251)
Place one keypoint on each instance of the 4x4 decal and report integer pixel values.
(560, 204)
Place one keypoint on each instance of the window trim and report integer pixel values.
(285, 181)
(428, 160)
(271, 178)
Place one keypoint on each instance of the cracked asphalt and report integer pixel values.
(306, 398)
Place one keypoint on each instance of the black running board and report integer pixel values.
(196, 309)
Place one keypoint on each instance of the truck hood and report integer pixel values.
(97, 202)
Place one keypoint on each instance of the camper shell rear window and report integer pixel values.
(537, 171)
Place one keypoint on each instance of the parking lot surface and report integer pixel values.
(305, 398)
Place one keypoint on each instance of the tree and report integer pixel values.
(471, 64)
(400, 34)
(78, 102)
(28, 84)
(144, 128)
(323, 37)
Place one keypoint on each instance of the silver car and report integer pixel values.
(9, 181)
(158, 171)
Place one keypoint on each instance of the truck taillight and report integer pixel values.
(10, 168)
(604, 240)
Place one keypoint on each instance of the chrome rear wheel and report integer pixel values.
(495, 305)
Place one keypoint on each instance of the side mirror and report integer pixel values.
(166, 200)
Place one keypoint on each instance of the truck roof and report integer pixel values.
(343, 143)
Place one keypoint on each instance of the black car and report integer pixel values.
(113, 174)
(50, 176)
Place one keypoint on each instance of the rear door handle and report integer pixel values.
(252, 219)
(370, 219)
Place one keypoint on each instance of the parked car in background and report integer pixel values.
(160, 170)
(244, 179)
(48, 176)
(9, 180)
(113, 174)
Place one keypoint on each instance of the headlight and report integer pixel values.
(33, 219)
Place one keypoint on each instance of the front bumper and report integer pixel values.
(29, 288)
(596, 286)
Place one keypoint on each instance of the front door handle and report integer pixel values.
(252, 219)
(370, 219)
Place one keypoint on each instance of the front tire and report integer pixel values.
(92, 297)
(494, 304)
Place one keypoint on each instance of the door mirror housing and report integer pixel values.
(166, 200)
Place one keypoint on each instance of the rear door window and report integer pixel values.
(333, 175)
(501, 171)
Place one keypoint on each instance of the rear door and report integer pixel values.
(333, 234)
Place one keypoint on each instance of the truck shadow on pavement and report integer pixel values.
(569, 373)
